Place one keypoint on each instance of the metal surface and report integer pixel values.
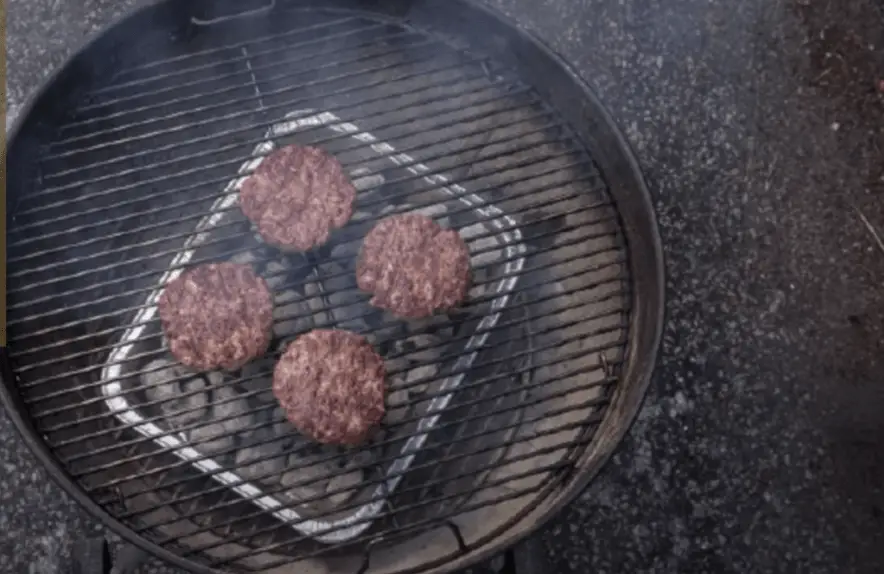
(352, 525)
(496, 413)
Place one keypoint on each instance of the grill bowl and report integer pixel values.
(124, 170)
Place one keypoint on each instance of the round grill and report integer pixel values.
(126, 171)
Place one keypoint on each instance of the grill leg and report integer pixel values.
(529, 557)
(128, 559)
(91, 556)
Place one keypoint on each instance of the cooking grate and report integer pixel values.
(490, 407)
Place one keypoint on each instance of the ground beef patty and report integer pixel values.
(331, 385)
(297, 196)
(413, 266)
(217, 315)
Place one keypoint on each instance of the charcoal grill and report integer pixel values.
(125, 170)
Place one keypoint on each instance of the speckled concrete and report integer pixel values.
(761, 132)
(761, 445)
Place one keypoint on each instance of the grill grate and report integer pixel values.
(489, 408)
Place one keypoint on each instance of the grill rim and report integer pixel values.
(620, 168)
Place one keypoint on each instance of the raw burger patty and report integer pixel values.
(331, 385)
(413, 266)
(217, 315)
(297, 196)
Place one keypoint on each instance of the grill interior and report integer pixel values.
(489, 407)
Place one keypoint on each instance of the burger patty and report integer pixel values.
(413, 266)
(297, 196)
(218, 315)
(331, 385)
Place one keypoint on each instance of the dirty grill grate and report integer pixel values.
(489, 406)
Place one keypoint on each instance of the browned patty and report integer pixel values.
(217, 315)
(297, 196)
(413, 266)
(331, 385)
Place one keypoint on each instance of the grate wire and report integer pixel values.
(129, 177)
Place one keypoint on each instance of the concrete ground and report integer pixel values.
(760, 128)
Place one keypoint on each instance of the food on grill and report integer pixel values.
(297, 196)
(218, 315)
(331, 385)
(413, 266)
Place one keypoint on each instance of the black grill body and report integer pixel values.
(124, 171)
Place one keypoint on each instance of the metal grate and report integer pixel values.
(489, 407)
